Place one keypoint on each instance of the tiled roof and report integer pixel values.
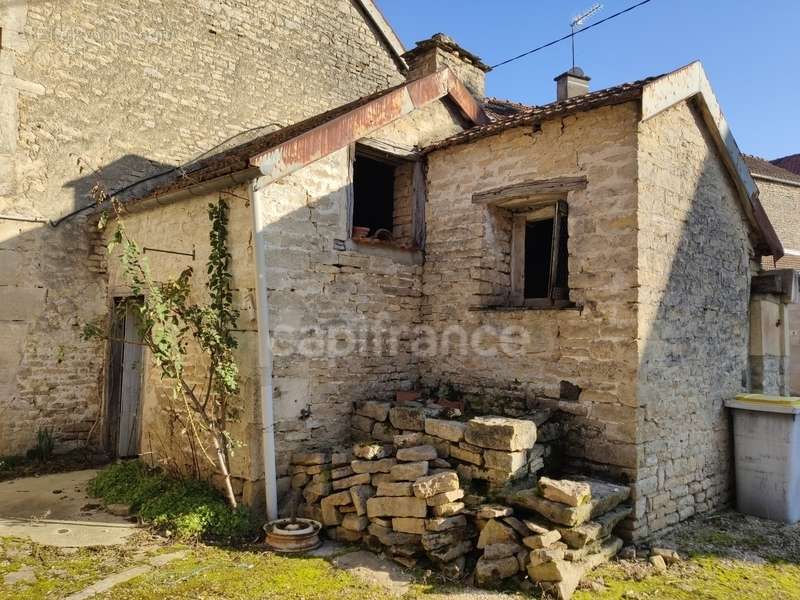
(613, 95)
(790, 163)
(759, 166)
(498, 108)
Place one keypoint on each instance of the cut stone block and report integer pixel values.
(425, 487)
(518, 526)
(299, 481)
(501, 433)
(496, 551)
(330, 514)
(340, 472)
(395, 488)
(445, 523)
(447, 510)
(505, 461)
(542, 540)
(408, 525)
(459, 453)
(562, 579)
(449, 553)
(601, 527)
(339, 459)
(436, 540)
(354, 522)
(383, 465)
(379, 478)
(313, 492)
(359, 494)
(495, 532)
(388, 537)
(566, 491)
(348, 482)
(417, 453)
(411, 418)
(361, 423)
(408, 471)
(543, 555)
(670, 556)
(445, 497)
(396, 507)
(383, 432)
(604, 497)
(494, 511)
(310, 458)
(452, 431)
(407, 440)
(350, 536)
(489, 572)
(372, 451)
(379, 411)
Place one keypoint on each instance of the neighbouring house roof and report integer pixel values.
(764, 169)
(498, 108)
(790, 163)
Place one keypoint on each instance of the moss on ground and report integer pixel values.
(59, 572)
(221, 573)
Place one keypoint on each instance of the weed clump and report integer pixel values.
(187, 508)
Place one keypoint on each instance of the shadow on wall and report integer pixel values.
(694, 277)
(49, 377)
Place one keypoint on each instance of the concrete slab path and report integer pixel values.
(57, 511)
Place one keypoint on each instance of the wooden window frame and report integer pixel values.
(518, 232)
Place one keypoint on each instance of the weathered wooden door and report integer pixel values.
(125, 381)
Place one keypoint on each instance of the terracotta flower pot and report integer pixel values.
(360, 232)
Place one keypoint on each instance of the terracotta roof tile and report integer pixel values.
(606, 97)
(759, 166)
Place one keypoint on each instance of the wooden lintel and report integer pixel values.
(540, 187)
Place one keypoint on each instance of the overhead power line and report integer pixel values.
(571, 34)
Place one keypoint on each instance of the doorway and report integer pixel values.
(794, 349)
(125, 380)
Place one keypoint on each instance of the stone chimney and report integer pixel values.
(571, 83)
(441, 51)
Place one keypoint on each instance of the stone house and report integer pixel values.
(81, 89)
(595, 255)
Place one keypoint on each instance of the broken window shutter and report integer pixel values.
(559, 271)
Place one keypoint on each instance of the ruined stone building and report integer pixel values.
(595, 255)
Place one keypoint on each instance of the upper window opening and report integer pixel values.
(373, 196)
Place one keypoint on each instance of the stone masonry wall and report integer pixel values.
(694, 270)
(131, 87)
(183, 226)
(594, 346)
(782, 203)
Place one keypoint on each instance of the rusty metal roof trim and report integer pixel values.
(364, 119)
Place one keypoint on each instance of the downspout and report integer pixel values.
(264, 354)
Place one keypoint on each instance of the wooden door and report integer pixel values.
(125, 381)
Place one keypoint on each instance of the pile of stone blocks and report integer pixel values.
(572, 531)
(496, 450)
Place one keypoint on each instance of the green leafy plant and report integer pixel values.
(169, 323)
(188, 508)
(43, 450)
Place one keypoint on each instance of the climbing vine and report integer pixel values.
(169, 322)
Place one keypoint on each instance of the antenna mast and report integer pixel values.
(578, 22)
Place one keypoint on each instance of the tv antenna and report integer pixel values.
(579, 21)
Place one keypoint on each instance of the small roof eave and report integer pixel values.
(691, 82)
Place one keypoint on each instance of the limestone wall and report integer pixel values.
(130, 87)
(183, 227)
(466, 268)
(781, 202)
(695, 263)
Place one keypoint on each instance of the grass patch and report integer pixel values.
(220, 573)
(186, 508)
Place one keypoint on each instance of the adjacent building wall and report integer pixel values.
(593, 346)
(695, 264)
(781, 201)
(129, 88)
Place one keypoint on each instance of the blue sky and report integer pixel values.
(749, 48)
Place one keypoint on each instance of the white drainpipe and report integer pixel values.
(264, 353)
